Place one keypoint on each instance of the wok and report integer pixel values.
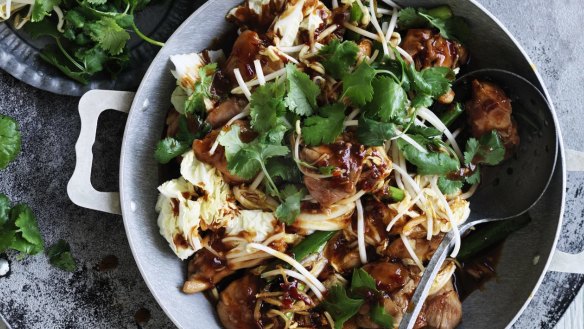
(525, 257)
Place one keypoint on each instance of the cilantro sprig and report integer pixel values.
(93, 38)
(60, 256)
(343, 303)
(19, 228)
(441, 18)
(10, 140)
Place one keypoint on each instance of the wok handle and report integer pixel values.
(563, 261)
(79, 188)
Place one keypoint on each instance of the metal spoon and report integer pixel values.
(511, 188)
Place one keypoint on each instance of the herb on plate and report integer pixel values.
(60, 256)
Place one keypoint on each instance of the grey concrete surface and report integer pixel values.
(36, 295)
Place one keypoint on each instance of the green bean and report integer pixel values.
(488, 235)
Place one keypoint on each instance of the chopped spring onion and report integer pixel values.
(295, 275)
(408, 246)
(242, 84)
(311, 278)
(361, 232)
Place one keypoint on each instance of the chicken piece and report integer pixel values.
(203, 146)
(347, 157)
(490, 109)
(376, 167)
(443, 310)
(225, 111)
(428, 48)
(247, 48)
(256, 15)
(423, 248)
(237, 303)
(340, 255)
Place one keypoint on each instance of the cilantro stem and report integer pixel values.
(270, 181)
(66, 54)
(146, 38)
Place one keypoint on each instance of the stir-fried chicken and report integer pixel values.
(237, 302)
(490, 109)
(222, 113)
(428, 48)
(443, 310)
(347, 158)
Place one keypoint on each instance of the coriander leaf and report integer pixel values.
(288, 210)
(275, 135)
(171, 147)
(357, 85)
(42, 8)
(389, 99)
(267, 106)
(339, 57)
(25, 220)
(448, 186)
(433, 81)
(244, 164)
(10, 140)
(491, 150)
(340, 306)
(374, 133)
(7, 237)
(381, 317)
(472, 147)
(93, 59)
(4, 209)
(41, 29)
(60, 256)
(285, 169)
(453, 28)
(428, 163)
(51, 57)
(108, 34)
(475, 178)
(422, 100)
(230, 141)
(325, 127)
(195, 104)
(408, 18)
(302, 91)
(326, 170)
(362, 280)
(428, 132)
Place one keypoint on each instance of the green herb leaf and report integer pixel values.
(171, 147)
(362, 280)
(4, 209)
(374, 133)
(109, 35)
(339, 57)
(326, 170)
(381, 317)
(288, 210)
(433, 81)
(488, 149)
(389, 99)
(267, 106)
(52, 57)
(42, 8)
(475, 178)
(195, 104)
(285, 169)
(408, 18)
(429, 163)
(25, 220)
(357, 85)
(60, 256)
(340, 306)
(325, 127)
(302, 91)
(356, 13)
(441, 18)
(448, 186)
(10, 140)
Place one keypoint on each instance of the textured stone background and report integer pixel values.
(35, 295)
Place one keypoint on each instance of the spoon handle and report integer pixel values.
(421, 293)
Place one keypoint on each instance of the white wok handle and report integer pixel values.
(79, 188)
(563, 261)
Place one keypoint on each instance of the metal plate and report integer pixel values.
(497, 306)
(19, 52)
